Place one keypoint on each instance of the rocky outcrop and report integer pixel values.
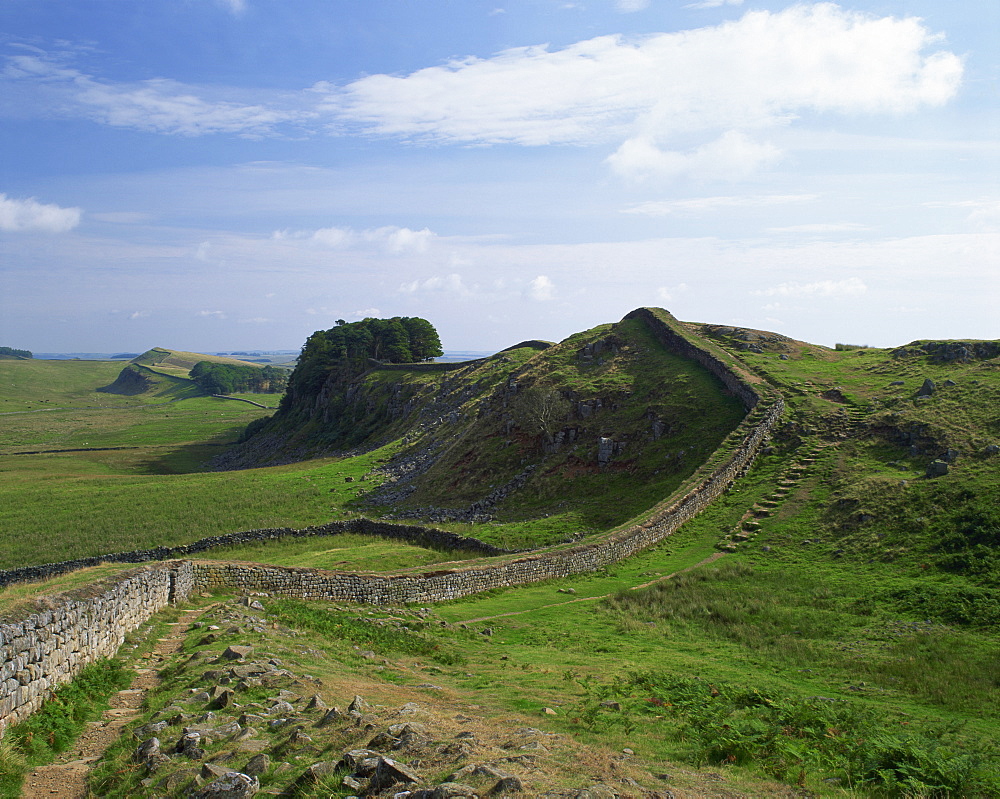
(950, 351)
(132, 380)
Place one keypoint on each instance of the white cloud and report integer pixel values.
(698, 205)
(679, 101)
(236, 7)
(674, 103)
(366, 313)
(541, 289)
(986, 215)
(31, 215)
(391, 239)
(849, 287)
(215, 314)
(714, 3)
(732, 155)
(448, 284)
(822, 227)
(138, 315)
(401, 239)
(333, 237)
(159, 105)
(629, 6)
(668, 294)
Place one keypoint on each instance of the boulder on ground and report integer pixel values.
(233, 785)
(236, 652)
(938, 468)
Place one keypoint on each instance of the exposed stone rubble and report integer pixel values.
(48, 648)
(748, 340)
(950, 351)
(279, 736)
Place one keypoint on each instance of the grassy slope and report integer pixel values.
(183, 362)
(634, 384)
(825, 600)
(480, 434)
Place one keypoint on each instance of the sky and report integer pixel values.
(213, 175)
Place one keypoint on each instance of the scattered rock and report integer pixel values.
(389, 773)
(223, 699)
(233, 785)
(358, 705)
(257, 764)
(506, 784)
(281, 708)
(937, 468)
(190, 746)
(331, 716)
(316, 703)
(447, 790)
(237, 652)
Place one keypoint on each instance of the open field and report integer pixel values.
(830, 623)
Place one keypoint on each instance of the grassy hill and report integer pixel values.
(180, 361)
(543, 442)
(828, 627)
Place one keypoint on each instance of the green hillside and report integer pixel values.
(181, 361)
(584, 434)
(828, 627)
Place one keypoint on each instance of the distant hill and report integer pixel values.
(606, 422)
(161, 371)
(13, 354)
(179, 360)
(137, 379)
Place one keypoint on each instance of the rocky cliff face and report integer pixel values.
(553, 425)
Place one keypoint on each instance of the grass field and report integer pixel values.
(846, 644)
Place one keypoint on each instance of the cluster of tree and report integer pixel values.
(16, 353)
(401, 339)
(227, 378)
(348, 347)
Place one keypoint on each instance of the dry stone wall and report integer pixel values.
(474, 577)
(766, 407)
(415, 534)
(40, 650)
(50, 645)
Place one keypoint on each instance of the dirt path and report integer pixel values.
(710, 559)
(66, 778)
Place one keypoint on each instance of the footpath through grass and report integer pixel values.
(54, 728)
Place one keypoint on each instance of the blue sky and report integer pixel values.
(228, 174)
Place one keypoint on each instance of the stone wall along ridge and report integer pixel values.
(470, 577)
(42, 649)
(415, 534)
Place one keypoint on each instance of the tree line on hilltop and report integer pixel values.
(16, 353)
(226, 378)
(349, 346)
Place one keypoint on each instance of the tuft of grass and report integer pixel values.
(59, 722)
(799, 738)
(381, 636)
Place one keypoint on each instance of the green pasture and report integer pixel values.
(342, 552)
(848, 647)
